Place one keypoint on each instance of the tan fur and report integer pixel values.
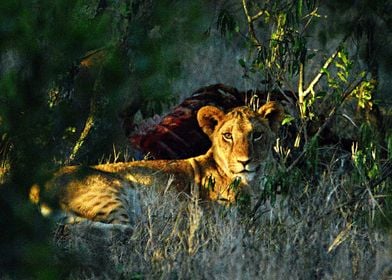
(241, 144)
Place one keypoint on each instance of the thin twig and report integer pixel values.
(86, 130)
(301, 94)
(90, 119)
(327, 63)
(250, 20)
(258, 15)
(316, 79)
(334, 109)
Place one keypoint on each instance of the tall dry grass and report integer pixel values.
(318, 229)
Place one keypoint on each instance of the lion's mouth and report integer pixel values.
(247, 171)
(246, 175)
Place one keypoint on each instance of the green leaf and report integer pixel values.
(299, 8)
(310, 56)
(342, 77)
(324, 71)
(341, 66)
(210, 184)
(321, 94)
(287, 119)
(235, 183)
(389, 146)
(242, 62)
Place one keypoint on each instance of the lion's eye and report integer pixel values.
(257, 136)
(227, 136)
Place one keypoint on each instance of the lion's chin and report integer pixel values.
(246, 176)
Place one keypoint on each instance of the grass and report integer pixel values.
(320, 228)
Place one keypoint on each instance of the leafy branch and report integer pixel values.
(328, 120)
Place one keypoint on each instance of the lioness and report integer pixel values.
(241, 139)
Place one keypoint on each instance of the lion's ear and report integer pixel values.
(274, 113)
(208, 117)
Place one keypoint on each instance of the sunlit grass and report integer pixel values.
(322, 228)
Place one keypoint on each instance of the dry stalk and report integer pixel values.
(194, 220)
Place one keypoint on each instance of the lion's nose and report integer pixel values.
(245, 162)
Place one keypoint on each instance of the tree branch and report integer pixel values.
(321, 73)
(86, 130)
(90, 119)
(258, 15)
(250, 21)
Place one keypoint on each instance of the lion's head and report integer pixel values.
(242, 139)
